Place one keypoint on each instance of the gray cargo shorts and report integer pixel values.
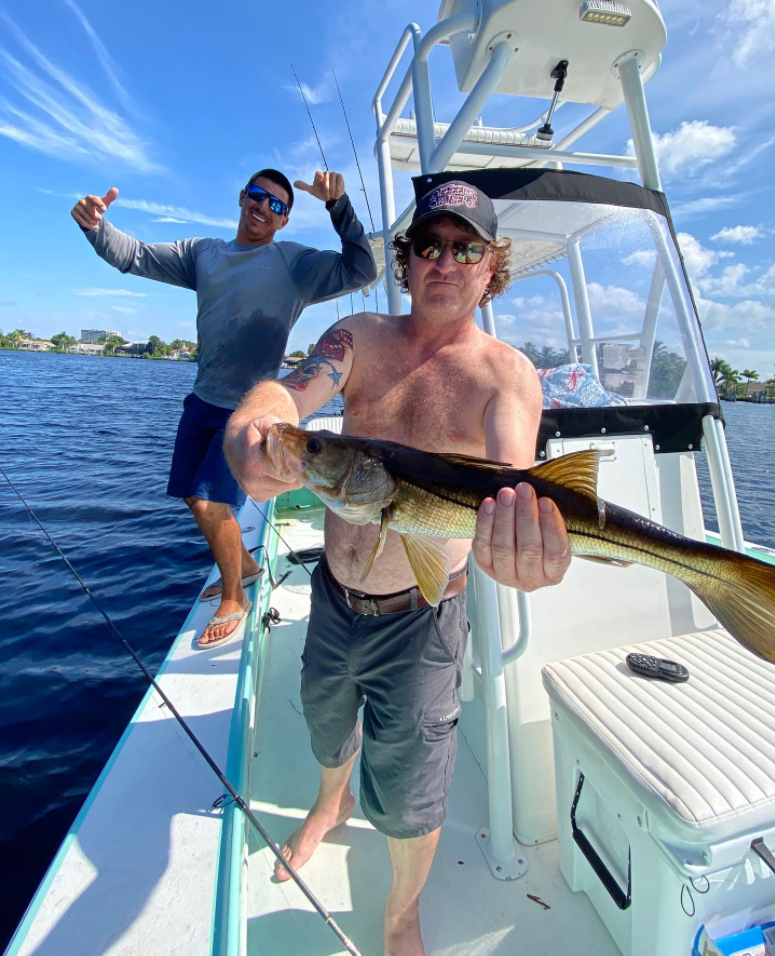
(405, 669)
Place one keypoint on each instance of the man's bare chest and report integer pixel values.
(437, 405)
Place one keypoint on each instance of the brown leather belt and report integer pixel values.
(409, 600)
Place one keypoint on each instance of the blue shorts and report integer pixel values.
(199, 468)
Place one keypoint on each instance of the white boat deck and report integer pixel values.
(465, 910)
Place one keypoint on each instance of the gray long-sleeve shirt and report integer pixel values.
(249, 297)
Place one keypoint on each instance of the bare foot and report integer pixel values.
(211, 634)
(215, 589)
(402, 933)
(302, 843)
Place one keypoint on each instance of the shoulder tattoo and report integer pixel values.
(331, 347)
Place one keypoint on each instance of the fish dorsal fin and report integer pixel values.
(377, 551)
(429, 560)
(577, 471)
(484, 464)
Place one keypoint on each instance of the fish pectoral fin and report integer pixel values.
(600, 559)
(577, 471)
(429, 560)
(380, 544)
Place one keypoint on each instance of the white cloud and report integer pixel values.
(693, 145)
(737, 343)
(697, 259)
(751, 26)
(731, 282)
(314, 94)
(742, 234)
(121, 308)
(613, 302)
(727, 284)
(174, 213)
(697, 207)
(170, 219)
(743, 316)
(70, 121)
(93, 292)
(108, 64)
(643, 257)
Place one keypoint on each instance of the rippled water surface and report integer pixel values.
(89, 443)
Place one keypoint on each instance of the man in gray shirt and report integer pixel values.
(250, 292)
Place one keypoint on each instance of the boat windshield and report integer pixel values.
(601, 306)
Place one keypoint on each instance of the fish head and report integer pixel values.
(338, 468)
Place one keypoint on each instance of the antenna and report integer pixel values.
(314, 130)
(363, 185)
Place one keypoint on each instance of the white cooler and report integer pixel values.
(662, 788)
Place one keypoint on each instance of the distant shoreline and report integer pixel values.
(151, 358)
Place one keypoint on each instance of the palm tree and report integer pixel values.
(721, 370)
(748, 374)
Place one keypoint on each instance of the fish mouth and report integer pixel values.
(276, 452)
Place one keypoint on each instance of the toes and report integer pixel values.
(279, 870)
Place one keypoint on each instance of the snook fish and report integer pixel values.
(423, 495)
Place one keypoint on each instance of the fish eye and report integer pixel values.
(314, 445)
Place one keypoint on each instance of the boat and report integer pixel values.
(591, 810)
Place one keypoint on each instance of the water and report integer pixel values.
(89, 443)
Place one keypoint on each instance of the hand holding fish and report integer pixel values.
(246, 452)
(521, 541)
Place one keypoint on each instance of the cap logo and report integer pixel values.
(453, 194)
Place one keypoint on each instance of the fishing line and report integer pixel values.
(322, 911)
(363, 184)
(294, 553)
(314, 130)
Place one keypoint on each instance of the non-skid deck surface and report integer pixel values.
(465, 911)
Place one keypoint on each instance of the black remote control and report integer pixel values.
(657, 668)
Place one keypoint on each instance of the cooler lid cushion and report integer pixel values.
(705, 748)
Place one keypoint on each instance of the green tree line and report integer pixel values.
(62, 341)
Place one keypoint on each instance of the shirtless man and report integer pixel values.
(432, 380)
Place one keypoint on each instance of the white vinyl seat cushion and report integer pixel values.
(699, 754)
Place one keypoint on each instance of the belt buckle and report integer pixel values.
(371, 604)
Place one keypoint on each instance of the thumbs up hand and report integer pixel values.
(88, 211)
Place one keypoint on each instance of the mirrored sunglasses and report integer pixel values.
(466, 253)
(259, 194)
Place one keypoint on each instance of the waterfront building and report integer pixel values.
(90, 336)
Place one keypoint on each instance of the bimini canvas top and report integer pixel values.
(600, 303)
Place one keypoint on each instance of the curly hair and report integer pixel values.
(501, 277)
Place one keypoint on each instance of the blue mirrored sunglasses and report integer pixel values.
(259, 195)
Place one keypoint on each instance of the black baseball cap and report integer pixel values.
(461, 201)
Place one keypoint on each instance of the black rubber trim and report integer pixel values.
(672, 427)
(616, 893)
(549, 184)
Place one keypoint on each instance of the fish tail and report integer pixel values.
(742, 596)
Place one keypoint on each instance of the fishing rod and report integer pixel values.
(322, 911)
(314, 129)
(360, 173)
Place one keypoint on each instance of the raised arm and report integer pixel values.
(520, 541)
(170, 262)
(325, 274)
(303, 391)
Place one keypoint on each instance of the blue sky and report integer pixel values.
(177, 105)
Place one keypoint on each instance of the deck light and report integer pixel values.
(605, 11)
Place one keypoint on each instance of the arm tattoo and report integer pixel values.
(331, 345)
